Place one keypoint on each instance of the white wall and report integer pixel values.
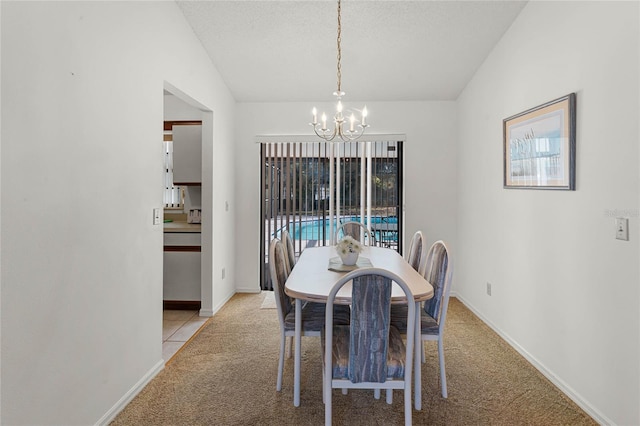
(564, 290)
(175, 109)
(81, 271)
(430, 166)
(0, 225)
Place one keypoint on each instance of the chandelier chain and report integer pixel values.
(339, 72)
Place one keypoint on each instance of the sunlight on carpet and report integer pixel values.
(269, 301)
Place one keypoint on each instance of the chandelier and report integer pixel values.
(351, 133)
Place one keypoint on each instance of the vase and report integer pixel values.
(349, 258)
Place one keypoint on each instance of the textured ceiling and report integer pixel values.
(269, 51)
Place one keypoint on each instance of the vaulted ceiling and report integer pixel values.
(281, 51)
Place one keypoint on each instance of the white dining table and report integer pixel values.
(312, 280)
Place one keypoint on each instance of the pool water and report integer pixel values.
(319, 229)
(312, 230)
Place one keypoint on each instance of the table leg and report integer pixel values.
(297, 356)
(417, 359)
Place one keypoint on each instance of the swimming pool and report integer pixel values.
(311, 230)
(319, 229)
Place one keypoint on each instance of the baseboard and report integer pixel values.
(126, 399)
(559, 383)
(135, 390)
(248, 290)
(212, 312)
(182, 305)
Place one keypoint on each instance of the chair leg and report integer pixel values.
(407, 405)
(443, 375)
(280, 363)
(327, 403)
(376, 393)
(323, 396)
(389, 396)
(290, 348)
(424, 352)
(327, 389)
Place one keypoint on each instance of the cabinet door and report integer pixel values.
(182, 239)
(187, 154)
(181, 276)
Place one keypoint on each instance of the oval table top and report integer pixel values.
(311, 279)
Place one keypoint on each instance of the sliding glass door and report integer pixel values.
(310, 188)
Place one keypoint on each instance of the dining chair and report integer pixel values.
(285, 237)
(313, 314)
(356, 230)
(438, 271)
(369, 353)
(416, 257)
(417, 254)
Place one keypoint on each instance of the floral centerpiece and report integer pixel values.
(348, 249)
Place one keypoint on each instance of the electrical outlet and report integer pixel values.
(488, 289)
(622, 228)
(223, 273)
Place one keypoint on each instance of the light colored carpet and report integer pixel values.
(227, 376)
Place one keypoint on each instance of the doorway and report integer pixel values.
(188, 198)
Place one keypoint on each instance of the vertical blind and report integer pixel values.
(172, 195)
(297, 192)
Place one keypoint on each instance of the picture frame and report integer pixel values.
(540, 146)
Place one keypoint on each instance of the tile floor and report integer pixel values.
(177, 329)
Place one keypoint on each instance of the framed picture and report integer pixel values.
(540, 146)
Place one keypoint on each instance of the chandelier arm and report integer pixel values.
(352, 136)
(324, 135)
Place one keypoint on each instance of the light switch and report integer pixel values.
(157, 216)
(622, 228)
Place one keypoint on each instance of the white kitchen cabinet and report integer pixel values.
(182, 238)
(187, 154)
(181, 276)
(181, 266)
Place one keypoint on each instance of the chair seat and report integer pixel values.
(395, 355)
(313, 317)
(428, 324)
